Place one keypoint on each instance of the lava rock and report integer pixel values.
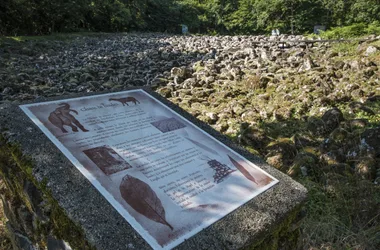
(370, 50)
(332, 119)
(281, 154)
(371, 138)
(315, 125)
(366, 168)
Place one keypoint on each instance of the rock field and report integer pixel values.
(311, 110)
(278, 99)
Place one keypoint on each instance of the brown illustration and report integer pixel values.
(141, 197)
(107, 159)
(125, 100)
(265, 181)
(61, 117)
(168, 124)
(243, 170)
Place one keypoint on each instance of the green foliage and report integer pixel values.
(28, 17)
(36, 17)
(355, 30)
(348, 49)
(290, 16)
(373, 28)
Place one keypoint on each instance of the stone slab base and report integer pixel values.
(50, 204)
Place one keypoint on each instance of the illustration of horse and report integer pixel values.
(125, 100)
(61, 117)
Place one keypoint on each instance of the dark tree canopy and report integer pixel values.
(27, 17)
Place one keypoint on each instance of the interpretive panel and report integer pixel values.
(165, 176)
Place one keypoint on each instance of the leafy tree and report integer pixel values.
(19, 17)
(244, 19)
(364, 11)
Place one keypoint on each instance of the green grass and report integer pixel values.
(352, 50)
(373, 119)
(346, 48)
(352, 31)
(342, 214)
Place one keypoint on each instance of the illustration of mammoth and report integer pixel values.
(61, 117)
(125, 100)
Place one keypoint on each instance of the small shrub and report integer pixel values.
(345, 48)
(373, 28)
(355, 30)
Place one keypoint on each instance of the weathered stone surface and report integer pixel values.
(316, 125)
(370, 50)
(304, 164)
(366, 168)
(104, 228)
(371, 138)
(332, 119)
(115, 61)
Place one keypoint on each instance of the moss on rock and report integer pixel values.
(286, 234)
(16, 169)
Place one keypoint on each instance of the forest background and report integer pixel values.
(37, 17)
